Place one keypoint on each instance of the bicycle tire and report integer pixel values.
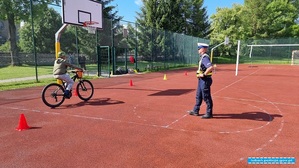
(85, 90)
(52, 95)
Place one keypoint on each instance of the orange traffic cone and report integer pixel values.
(22, 123)
(75, 92)
(131, 82)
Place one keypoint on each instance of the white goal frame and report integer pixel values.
(293, 57)
(260, 45)
(270, 45)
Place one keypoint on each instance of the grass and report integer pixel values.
(25, 84)
(10, 72)
(32, 83)
(255, 60)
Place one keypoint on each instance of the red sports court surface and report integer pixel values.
(146, 125)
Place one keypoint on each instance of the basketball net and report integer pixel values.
(88, 26)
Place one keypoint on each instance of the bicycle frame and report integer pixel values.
(74, 78)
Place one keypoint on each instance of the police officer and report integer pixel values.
(204, 75)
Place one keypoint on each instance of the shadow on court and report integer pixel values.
(94, 102)
(257, 116)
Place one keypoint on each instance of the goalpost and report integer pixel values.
(270, 45)
(295, 53)
(295, 57)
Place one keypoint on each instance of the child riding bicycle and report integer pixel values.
(60, 72)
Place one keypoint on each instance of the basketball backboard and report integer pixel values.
(76, 12)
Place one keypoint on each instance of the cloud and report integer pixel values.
(138, 2)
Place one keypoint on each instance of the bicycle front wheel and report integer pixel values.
(52, 95)
(85, 90)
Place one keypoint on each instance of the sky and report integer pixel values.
(128, 8)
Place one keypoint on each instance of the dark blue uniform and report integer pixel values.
(204, 88)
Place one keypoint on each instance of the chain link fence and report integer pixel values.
(126, 47)
(265, 51)
(115, 46)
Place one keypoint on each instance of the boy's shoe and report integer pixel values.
(191, 112)
(67, 94)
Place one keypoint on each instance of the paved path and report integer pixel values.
(87, 73)
(25, 78)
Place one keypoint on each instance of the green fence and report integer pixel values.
(109, 49)
(152, 49)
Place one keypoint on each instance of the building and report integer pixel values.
(3, 31)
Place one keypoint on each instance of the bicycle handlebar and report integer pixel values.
(75, 71)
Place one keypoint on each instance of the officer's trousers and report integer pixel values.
(204, 93)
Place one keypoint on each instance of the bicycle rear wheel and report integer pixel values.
(52, 95)
(85, 90)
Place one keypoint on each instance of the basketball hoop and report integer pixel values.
(87, 25)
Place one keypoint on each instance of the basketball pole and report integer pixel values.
(226, 41)
(57, 39)
(57, 43)
(212, 50)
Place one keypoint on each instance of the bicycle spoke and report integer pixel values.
(85, 90)
(52, 95)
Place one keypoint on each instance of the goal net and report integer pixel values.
(267, 54)
(295, 57)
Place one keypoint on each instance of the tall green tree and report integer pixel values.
(160, 17)
(16, 11)
(45, 28)
(256, 19)
(282, 16)
(197, 20)
(254, 15)
(227, 22)
(270, 19)
(188, 16)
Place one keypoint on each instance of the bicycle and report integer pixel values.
(53, 93)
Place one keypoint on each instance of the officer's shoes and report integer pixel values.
(191, 112)
(67, 94)
(206, 116)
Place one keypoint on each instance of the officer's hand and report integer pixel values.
(199, 75)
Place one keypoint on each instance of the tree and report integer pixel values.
(16, 11)
(270, 19)
(45, 27)
(227, 23)
(255, 19)
(282, 16)
(197, 21)
(188, 17)
(157, 18)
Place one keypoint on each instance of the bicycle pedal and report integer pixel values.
(67, 95)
